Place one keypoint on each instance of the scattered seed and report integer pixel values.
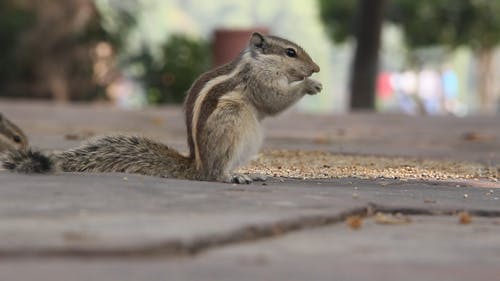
(318, 164)
(354, 222)
(464, 218)
(398, 218)
(476, 136)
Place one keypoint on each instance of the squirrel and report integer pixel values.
(223, 110)
(11, 136)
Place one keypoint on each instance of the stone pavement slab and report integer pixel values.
(129, 227)
(119, 227)
(238, 268)
(119, 214)
(428, 248)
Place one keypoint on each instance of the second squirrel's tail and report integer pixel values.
(27, 161)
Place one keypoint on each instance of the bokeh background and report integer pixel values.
(434, 57)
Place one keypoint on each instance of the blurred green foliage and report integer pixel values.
(471, 23)
(182, 60)
(339, 18)
(14, 20)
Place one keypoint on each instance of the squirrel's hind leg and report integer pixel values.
(233, 139)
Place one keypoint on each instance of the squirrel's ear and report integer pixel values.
(257, 41)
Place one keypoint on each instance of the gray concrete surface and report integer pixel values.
(429, 248)
(107, 213)
(129, 227)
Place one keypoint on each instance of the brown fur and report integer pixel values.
(193, 94)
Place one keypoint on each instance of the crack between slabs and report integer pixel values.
(178, 248)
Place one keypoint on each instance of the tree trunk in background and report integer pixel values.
(485, 87)
(56, 50)
(365, 65)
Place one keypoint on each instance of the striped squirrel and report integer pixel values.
(223, 110)
(11, 137)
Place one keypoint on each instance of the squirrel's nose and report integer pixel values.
(315, 68)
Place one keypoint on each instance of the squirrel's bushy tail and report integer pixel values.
(27, 161)
(118, 153)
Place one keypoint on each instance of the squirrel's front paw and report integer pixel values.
(312, 86)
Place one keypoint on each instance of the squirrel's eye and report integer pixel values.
(16, 138)
(291, 53)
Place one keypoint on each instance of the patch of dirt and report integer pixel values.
(325, 165)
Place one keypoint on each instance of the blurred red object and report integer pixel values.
(228, 43)
(384, 87)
